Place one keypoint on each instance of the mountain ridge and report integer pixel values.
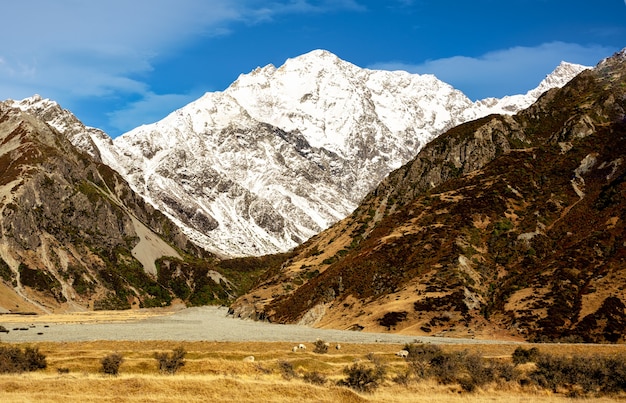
(285, 152)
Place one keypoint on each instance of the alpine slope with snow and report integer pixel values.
(285, 152)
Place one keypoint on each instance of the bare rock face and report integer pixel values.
(507, 225)
(73, 234)
(477, 144)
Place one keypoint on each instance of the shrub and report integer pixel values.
(111, 363)
(581, 375)
(363, 378)
(34, 360)
(262, 369)
(14, 360)
(468, 370)
(321, 347)
(522, 356)
(287, 370)
(391, 319)
(170, 363)
(315, 378)
(403, 378)
(477, 371)
(423, 352)
(447, 368)
(420, 357)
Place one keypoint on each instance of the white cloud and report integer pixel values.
(96, 45)
(115, 38)
(69, 50)
(148, 109)
(503, 72)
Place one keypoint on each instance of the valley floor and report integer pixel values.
(216, 368)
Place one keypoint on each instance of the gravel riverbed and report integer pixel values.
(199, 324)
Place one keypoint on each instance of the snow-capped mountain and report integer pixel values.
(285, 152)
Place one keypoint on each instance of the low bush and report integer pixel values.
(363, 378)
(581, 375)
(321, 347)
(315, 378)
(14, 360)
(111, 363)
(171, 363)
(403, 378)
(522, 355)
(428, 361)
(286, 370)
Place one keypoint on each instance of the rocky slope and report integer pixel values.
(73, 234)
(503, 226)
(285, 152)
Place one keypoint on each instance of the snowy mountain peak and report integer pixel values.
(87, 139)
(30, 100)
(617, 57)
(285, 152)
(319, 57)
(561, 75)
(33, 103)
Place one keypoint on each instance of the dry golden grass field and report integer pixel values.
(217, 372)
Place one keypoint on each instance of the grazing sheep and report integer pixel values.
(402, 353)
(338, 347)
(249, 358)
(301, 346)
(294, 349)
(327, 345)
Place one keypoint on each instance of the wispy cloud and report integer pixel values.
(503, 72)
(150, 107)
(83, 48)
(68, 49)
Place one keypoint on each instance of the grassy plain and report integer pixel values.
(216, 371)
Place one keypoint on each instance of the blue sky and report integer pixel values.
(118, 63)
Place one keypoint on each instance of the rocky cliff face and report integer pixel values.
(285, 152)
(507, 225)
(73, 234)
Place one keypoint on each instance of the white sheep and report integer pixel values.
(294, 349)
(402, 353)
(338, 346)
(301, 346)
(249, 358)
